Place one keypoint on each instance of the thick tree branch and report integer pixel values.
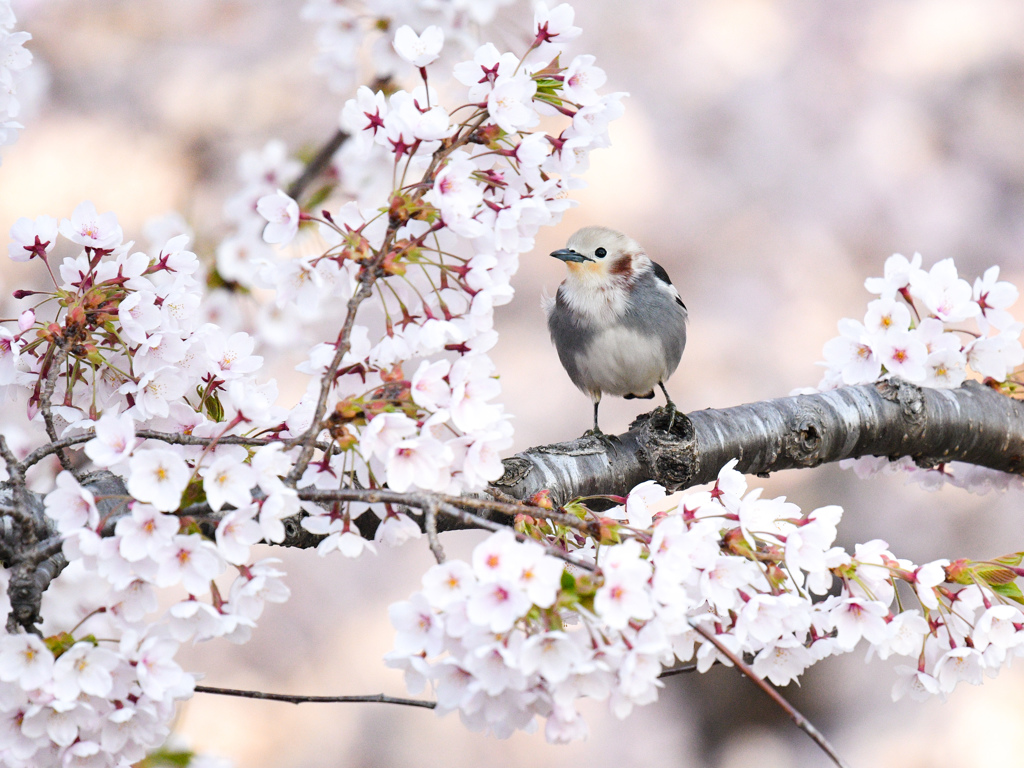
(973, 424)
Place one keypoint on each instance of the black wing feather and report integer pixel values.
(661, 274)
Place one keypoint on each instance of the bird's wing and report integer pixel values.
(665, 282)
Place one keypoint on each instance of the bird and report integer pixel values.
(617, 322)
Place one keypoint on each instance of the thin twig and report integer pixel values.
(430, 524)
(801, 722)
(490, 525)
(375, 698)
(54, 447)
(682, 669)
(171, 438)
(176, 439)
(14, 467)
(453, 507)
(45, 404)
(372, 495)
(367, 277)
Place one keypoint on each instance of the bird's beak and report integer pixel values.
(568, 254)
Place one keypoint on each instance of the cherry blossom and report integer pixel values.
(70, 505)
(228, 481)
(32, 238)
(419, 50)
(433, 201)
(114, 440)
(282, 215)
(89, 228)
(920, 330)
(158, 476)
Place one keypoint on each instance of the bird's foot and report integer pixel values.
(668, 419)
(671, 408)
(597, 434)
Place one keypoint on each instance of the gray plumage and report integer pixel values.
(617, 322)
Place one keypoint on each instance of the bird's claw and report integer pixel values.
(671, 408)
(597, 434)
(659, 414)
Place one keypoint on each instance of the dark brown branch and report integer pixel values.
(375, 698)
(148, 434)
(972, 424)
(802, 722)
(682, 669)
(317, 165)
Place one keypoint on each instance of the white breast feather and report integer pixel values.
(620, 361)
(598, 303)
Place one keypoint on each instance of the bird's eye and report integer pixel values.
(600, 253)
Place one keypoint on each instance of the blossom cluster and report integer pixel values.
(442, 207)
(346, 31)
(928, 327)
(13, 59)
(78, 700)
(516, 634)
(932, 328)
(125, 351)
(119, 356)
(129, 328)
(74, 699)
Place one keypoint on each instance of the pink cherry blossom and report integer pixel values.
(31, 238)
(91, 229)
(282, 215)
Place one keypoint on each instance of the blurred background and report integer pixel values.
(772, 155)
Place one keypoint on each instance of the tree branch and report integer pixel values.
(892, 418)
(802, 722)
(375, 698)
(973, 424)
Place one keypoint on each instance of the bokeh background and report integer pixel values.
(772, 155)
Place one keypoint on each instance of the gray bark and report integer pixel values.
(973, 424)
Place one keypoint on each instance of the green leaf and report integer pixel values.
(577, 508)
(194, 493)
(59, 643)
(214, 409)
(1012, 560)
(1011, 591)
(318, 197)
(166, 757)
(994, 574)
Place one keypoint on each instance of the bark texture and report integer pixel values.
(972, 424)
(892, 418)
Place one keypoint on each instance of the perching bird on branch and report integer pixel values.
(617, 321)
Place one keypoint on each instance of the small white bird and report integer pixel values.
(617, 321)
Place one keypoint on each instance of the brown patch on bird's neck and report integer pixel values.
(622, 266)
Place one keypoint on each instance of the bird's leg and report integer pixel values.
(596, 431)
(670, 406)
